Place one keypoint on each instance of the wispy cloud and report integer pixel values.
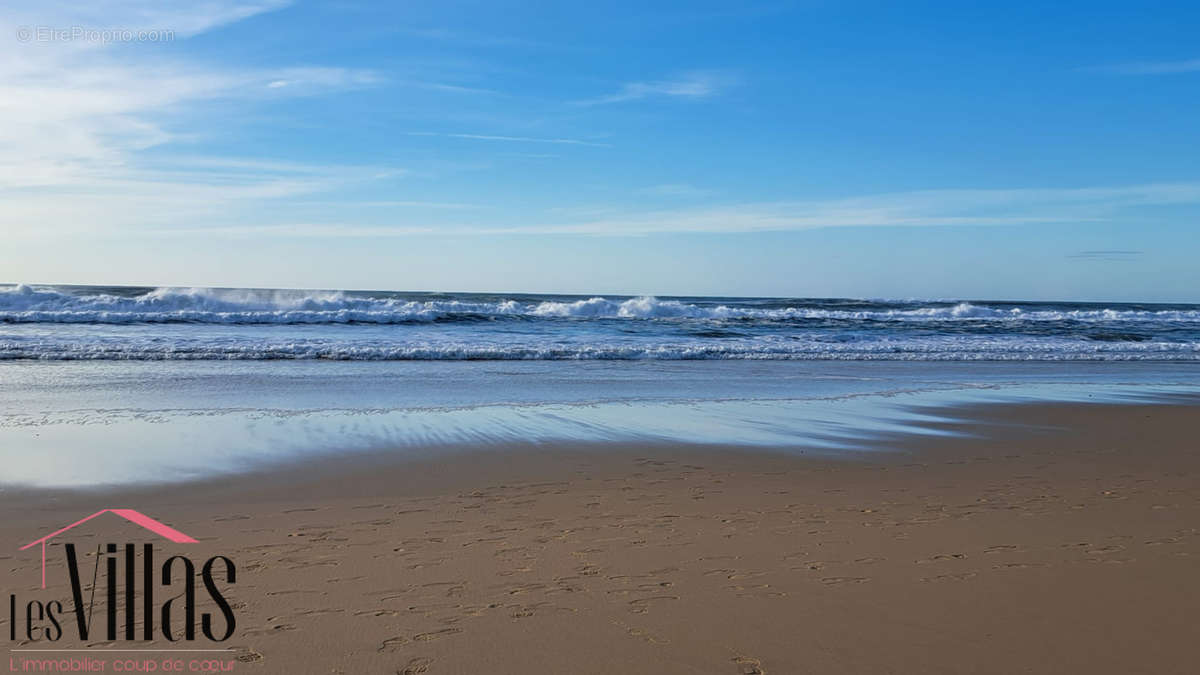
(903, 209)
(76, 110)
(472, 39)
(78, 117)
(395, 203)
(698, 84)
(315, 80)
(673, 190)
(1105, 255)
(926, 208)
(172, 196)
(452, 88)
(1151, 67)
(512, 139)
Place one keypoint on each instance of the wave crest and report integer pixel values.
(26, 304)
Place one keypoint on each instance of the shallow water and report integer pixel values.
(101, 422)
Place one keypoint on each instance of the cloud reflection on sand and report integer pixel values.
(97, 424)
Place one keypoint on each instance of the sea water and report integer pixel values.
(126, 385)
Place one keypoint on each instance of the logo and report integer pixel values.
(168, 605)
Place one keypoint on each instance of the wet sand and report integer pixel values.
(1057, 539)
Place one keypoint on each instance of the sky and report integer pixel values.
(1018, 150)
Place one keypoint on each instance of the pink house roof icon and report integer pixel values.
(135, 517)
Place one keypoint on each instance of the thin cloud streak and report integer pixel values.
(929, 208)
(513, 139)
(1105, 255)
(699, 84)
(909, 209)
(673, 190)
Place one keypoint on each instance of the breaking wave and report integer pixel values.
(26, 304)
(120, 323)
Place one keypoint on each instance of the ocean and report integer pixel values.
(121, 385)
(128, 323)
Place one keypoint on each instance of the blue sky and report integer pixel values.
(863, 149)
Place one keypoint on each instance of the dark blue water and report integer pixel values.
(127, 323)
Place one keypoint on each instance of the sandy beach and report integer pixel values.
(648, 338)
(1054, 538)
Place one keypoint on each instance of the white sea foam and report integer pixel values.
(940, 349)
(248, 324)
(25, 304)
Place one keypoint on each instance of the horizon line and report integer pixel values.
(617, 294)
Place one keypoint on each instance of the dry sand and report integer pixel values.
(1065, 539)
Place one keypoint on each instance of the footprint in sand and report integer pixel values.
(377, 612)
(815, 565)
(393, 643)
(642, 605)
(247, 655)
(748, 666)
(415, 667)
(1000, 549)
(436, 634)
(1018, 566)
(526, 588)
(523, 612)
(277, 628)
(757, 591)
(378, 522)
(942, 557)
(745, 575)
(836, 581)
(965, 576)
(453, 588)
(709, 558)
(433, 608)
